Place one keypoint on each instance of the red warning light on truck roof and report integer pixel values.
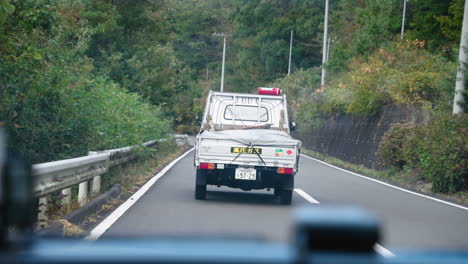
(269, 91)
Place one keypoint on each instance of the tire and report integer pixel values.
(200, 192)
(285, 196)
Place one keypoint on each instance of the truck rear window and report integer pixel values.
(245, 113)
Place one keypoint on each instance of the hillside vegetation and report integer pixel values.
(370, 66)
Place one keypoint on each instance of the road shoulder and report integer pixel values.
(416, 188)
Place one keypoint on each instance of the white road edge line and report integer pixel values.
(306, 196)
(389, 185)
(378, 248)
(114, 216)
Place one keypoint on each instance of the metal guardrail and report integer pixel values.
(63, 174)
(121, 155)
(57, 175)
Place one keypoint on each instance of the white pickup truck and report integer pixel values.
(244, 143)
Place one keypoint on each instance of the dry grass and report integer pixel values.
(69, 229)
(137, 174)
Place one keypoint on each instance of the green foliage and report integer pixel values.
(133, 46)
(259, 49)
(52, 104)
(304, 105)
(391, 146)
(37, 81)
(443, 153)
(309, 114)
(193, 26)
(5, 9)
(450, 23)
(377, 22)
(437, 151)
(187, 129)
(401, 73)
(413, 142)
(298, 86)
(423, 21)
(121, 118)
(101, 15)
(152, 73)
(359, 27)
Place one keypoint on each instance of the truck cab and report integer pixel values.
(244, 142)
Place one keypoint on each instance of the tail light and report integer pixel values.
(207, 166)
(285, 170)
(269, 91)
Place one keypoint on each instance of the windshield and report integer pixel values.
(144, 118)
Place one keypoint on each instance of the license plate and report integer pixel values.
(248, 174)
(246, 150)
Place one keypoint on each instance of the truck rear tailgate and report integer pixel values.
(231, 148)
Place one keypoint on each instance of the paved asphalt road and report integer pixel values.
(169, 208)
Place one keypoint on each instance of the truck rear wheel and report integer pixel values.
(285, 196)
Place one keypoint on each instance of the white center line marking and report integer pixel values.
(114, 216)
(306, 196)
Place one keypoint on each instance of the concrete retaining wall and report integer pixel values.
(356, 138)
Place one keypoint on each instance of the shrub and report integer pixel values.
(391, 146)
(437, 151)
(412, 147)
(443, 153)
(121, 118)
(187, 129)
(402, 72)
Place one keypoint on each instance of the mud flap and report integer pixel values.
(287, 182)
(200, 178)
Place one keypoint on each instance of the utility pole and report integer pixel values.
(403, 19)
(325, 39)
(290, 53)
(328, 49)
(224, 57)
(224, 61)
(458, 99)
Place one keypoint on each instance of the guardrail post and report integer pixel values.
(66, 200)
(83, 193)
(42, 218)
(96, 185)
